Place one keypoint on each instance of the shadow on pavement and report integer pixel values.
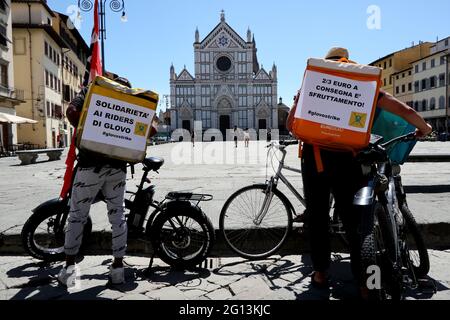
(170, 276)
(37, 281)
(428, 189)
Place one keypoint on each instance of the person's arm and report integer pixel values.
(74, 109)
(395, 106)
(153, 129)
(291, 117)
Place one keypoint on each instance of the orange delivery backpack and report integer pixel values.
(336, 105)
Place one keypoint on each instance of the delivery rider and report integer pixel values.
(340, 174)
(96, 173)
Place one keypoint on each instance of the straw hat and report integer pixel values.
(337, 53)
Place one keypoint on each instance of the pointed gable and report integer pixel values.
(262, 109)
(185, 76)
(221, 30)
(224, 90)
(262, 75)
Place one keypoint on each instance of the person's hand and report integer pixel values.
(73, 115)
(297, 98)
(424, 133)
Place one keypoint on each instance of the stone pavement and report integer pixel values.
(218, 169)
(22, 188)
(278, 278)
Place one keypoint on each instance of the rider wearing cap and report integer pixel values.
(342, 177)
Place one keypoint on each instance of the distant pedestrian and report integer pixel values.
(193, 138)
(235, 137)
(246, 138)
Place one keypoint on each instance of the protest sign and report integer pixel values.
(336, 104)
(115, 123)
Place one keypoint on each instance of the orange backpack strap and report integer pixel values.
(300, 150)
(318, 158)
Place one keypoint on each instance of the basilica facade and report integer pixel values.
(228, 88)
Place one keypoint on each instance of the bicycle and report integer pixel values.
(388, 226)
(256, 220)
(180, 232)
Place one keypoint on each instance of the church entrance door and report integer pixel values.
(224, 125)
(187, 125)
(262, 124)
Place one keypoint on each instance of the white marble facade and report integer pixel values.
(228, 88)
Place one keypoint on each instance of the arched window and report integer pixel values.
(432, 104)
(416, 105)
(442, 102)
(433, 82)
(424, 105)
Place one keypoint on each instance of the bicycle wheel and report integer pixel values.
(43, 238)
(412, 238)
(378, 249)
(183, 239)
(247, 237)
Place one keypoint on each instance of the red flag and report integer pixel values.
(93, 69)
(96, 62)
(70, 163)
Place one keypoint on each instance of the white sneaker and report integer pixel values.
(69, 277)
(117, 275)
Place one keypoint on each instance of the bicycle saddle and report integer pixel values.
(153, 163)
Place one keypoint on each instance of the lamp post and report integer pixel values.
(115, 6)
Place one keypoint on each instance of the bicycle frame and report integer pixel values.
(385, 186)
(279, 176)
(273, 183)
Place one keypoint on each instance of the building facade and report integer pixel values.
(403, 86)
(228, 87)
(50, 57)
(10, 97)
(283, 114)
(399, 61)
(431, 85)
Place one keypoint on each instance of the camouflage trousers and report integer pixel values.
(87, 185)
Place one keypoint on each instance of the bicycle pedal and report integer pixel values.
(427, 286)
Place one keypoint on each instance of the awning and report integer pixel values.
(9, 118)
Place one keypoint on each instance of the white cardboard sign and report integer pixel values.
(336, 101)
(118, 123)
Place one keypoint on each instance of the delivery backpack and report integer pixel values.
(336, 105)
(116, 121)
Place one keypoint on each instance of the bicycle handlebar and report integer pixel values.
(282, 144)
(289, 143)
(407, 137)
(377, 152)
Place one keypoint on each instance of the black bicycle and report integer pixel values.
(391, 238)
(180, 232)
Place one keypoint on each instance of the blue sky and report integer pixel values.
(287, 32)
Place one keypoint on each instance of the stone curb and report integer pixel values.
(437, 237)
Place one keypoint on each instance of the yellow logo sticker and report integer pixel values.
(358, 120)
(140, 129)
